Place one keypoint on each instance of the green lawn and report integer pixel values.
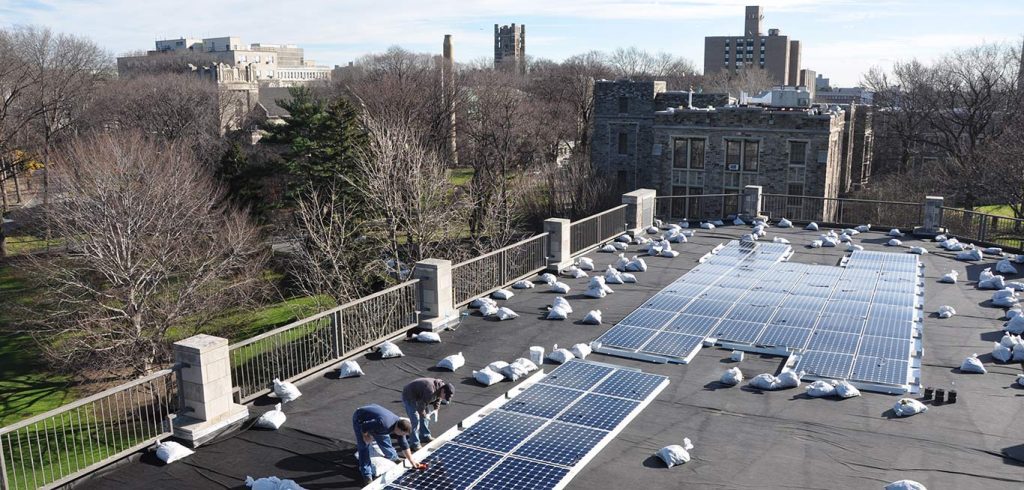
(461, 175)
(24, 244)
(997, 209)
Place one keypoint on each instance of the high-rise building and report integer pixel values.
(777, 54)
(510, 48)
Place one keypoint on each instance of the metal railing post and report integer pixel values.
(4, 483)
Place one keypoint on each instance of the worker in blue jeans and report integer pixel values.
(420, 397)
(376, 423)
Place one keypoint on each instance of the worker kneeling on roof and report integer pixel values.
(374, 422)
(420, 397)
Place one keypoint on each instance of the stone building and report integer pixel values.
(779, 55)
(510, 48)
(645, 136)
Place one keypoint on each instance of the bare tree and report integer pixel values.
(154, 250)
(637, 64)
(751, 81)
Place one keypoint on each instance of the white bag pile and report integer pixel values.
(286, 391)
(718, 222)
(349, 369)
(612, 276)
(560, 288)
(972, 365)
(732, 377)
(785, 223)
(993, 251)
(560, 309)
(548, 278)
(707, 225)
(844, 238)
(906, 407)
(988, 280)
(639, 240)
(863, 228)
(560, 356)
(895, 232)
(522, 284)
(684, 224)
(748, 238)
(675, 454)
(624, 238)
(652, 230)
(946, 311)
(918, 250)
(894, 243)
(905, 485)
(275, 483)
(1005, 298)
(428, 338)
(620, 265)
(488, 309)
(581, 351)
(487, 377)
(829, 240)
(1004, 266)
(574, 272)
(1015, 325)
(850, 232)
(620, 246)
(811, 226)
(506, 314)
(1013, 313)
(780, 240)
(502, 294)
(969, 255)
(480, 302)
(593, 318)
(636, 264)
(452, 362)
(759, 230)
(846, 390)
(821, 389)
(676, 236)
(271, 419)
(950, 277)
(514, 371)
(739, 221)
(607, 248)
(854, 247)
(952, 245)
(388, 349)
(786, 379)
(816, 244)
(597, 288)
(171, 451)
(1009, 348)
(585, 263)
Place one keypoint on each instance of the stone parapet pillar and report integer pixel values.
(559, 244)
(932, 225)
(205, 384)
(435, 298)
(752, 200)
(639, 209)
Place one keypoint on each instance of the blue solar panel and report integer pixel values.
(563, 444)
(810, 303)
(848, 308)
(842, 323)
(825, 364)
(673, 344)
(880, 370)
(737, 331)
(749, 313)
(542, 400)
(843, 343)
(500, 431)
(515, 474)
(634, 385)
(599, 411)
(786, 317)
(707, 307)
(577, 375)
(691, 324)
(788, 337)
(625, 337)
(451, 466)
(647, 318)
(886, 347)
(889, 328)
(668, 302)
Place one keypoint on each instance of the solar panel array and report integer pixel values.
(857, 322)
(536, 439)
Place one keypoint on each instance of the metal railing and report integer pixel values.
(58, 446)
(595, 229)
(480, 275)
(987, 228)
(887, 214)
(698, 207)
(307, 345)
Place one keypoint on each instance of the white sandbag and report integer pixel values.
(853, 247)
(452, 362)
(675, 454)
(1015, 285)
(497, 366)
(607, 248)
(765, 381)
(718, 222)
(382, 465)
(480, 302)
(502, 294)
(489, 309)
(918, 250)
(1020, 380)
(850, 231)
(487, 377)
(906, 407)
(993, 282)
(1015, 325)
(970, 255)
(895, 232)
(1013, 313)
(620, 246)
(993, 251)
(597, 293)
(526, 364)
(560, 356)
(671, 254)
(707, 226)
(972, 365)
(639, 240)
(748, 238)
(388, 349)
(271, 419)
(844, 238)
(523, 284)
(733, 377)
(829, 241)
(894, 243)
(954, 246)
(677, 238)
(846, 390)
(560, 302)
(863, 228)
(684, 224)
(275, 483)
(905, 485)
(593, 318)
(816, 244)
(789, 379)
(821, 389)
(1004, 266)
(620, 265)
(941, 238)
(780, 240)
(739, 222)
(736, 356)
(785, 223)
(652, 230)
(574, 272)
(171, 451)
(624, 238)
(612, 276)
(636, 264)
(950, 277)
(286, 391)
(1001, 352)
(946, 311)
(585, 263)
(1010, 340)
(560, 288)
(349, 369)
(759, 230)
(514, 371)
(548, 278)
(811, 226)
(1005, 298)
(427, 337)
(581, 351)
(628, 278)
(506, 314)
(599, 283)
(557, 314)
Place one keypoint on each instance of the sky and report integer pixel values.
(842, 39)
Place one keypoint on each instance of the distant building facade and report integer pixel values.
(644, 136)
(775, 53)
(510, 48)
